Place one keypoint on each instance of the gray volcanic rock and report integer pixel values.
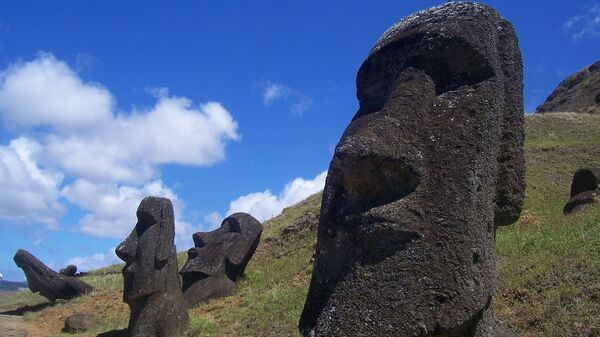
(580, 92)
(46, 281)
(219, 258)
(430, 165)
(82, 321)
(152, 288)
(584, 189)
(69, 270)
(581, 199)
(586, 179)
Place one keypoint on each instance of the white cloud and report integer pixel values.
(47, 92)
(265, 205)
(275, 91)
(27, 191)
(587, 24)
(213, 219)
(95, 261)
(111, 159)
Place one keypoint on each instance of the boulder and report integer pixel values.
(429, 166)
(152, 288)
(219, 258)
(46, 281)
(579, 92)
(81, 322)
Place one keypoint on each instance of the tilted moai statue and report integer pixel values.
(584, 189)
(50, 284)
(430, 165)
(219, 258)
(152, 288)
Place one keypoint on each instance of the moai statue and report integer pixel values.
(219, 258)
(70, 270)
(152, 288)
(429, 166)
(50, 284)
(584, 189)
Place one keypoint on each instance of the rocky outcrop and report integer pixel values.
(580, 92)
(584, 189)
(50, 284)
(152, 288)
(430, 165)
(219, 258)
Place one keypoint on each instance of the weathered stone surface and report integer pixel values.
(82, 321)
(430, 165)
(586, 179)
(219, 258)
(579, 92)
(581, 199)
(46, 281)
(69, 270)
(152, 288)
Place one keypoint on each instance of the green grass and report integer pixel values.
(548, 264)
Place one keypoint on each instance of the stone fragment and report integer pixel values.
(219, 258)
(82, 321)
(46, 281)
(152, 288)
(429, 166)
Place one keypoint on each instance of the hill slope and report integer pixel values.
(579, 92)
(548, 264)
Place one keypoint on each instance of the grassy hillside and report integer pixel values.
(548, 264)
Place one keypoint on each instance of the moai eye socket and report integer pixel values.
(367, 182)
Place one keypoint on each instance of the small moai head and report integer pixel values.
(220, 257)
(148, 249)
(430, 164)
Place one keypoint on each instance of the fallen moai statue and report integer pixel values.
(50, 284)
(429, 166)
(219, 258)
(584, 189)
(152, 288)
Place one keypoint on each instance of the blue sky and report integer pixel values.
(222, 106)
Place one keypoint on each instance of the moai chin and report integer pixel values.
(430, 165)
(152, 288)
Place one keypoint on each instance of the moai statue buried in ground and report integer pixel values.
(428, 168)
(219, 258)
(152, 288)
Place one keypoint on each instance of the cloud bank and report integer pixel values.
(74, 145)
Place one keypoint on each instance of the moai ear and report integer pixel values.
(166, 233)
(510, 186)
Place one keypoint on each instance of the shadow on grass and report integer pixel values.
(28, 308)
(114, 333)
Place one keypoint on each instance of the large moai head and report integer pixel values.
(152, 288)
(219, 258)
(430, 164)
